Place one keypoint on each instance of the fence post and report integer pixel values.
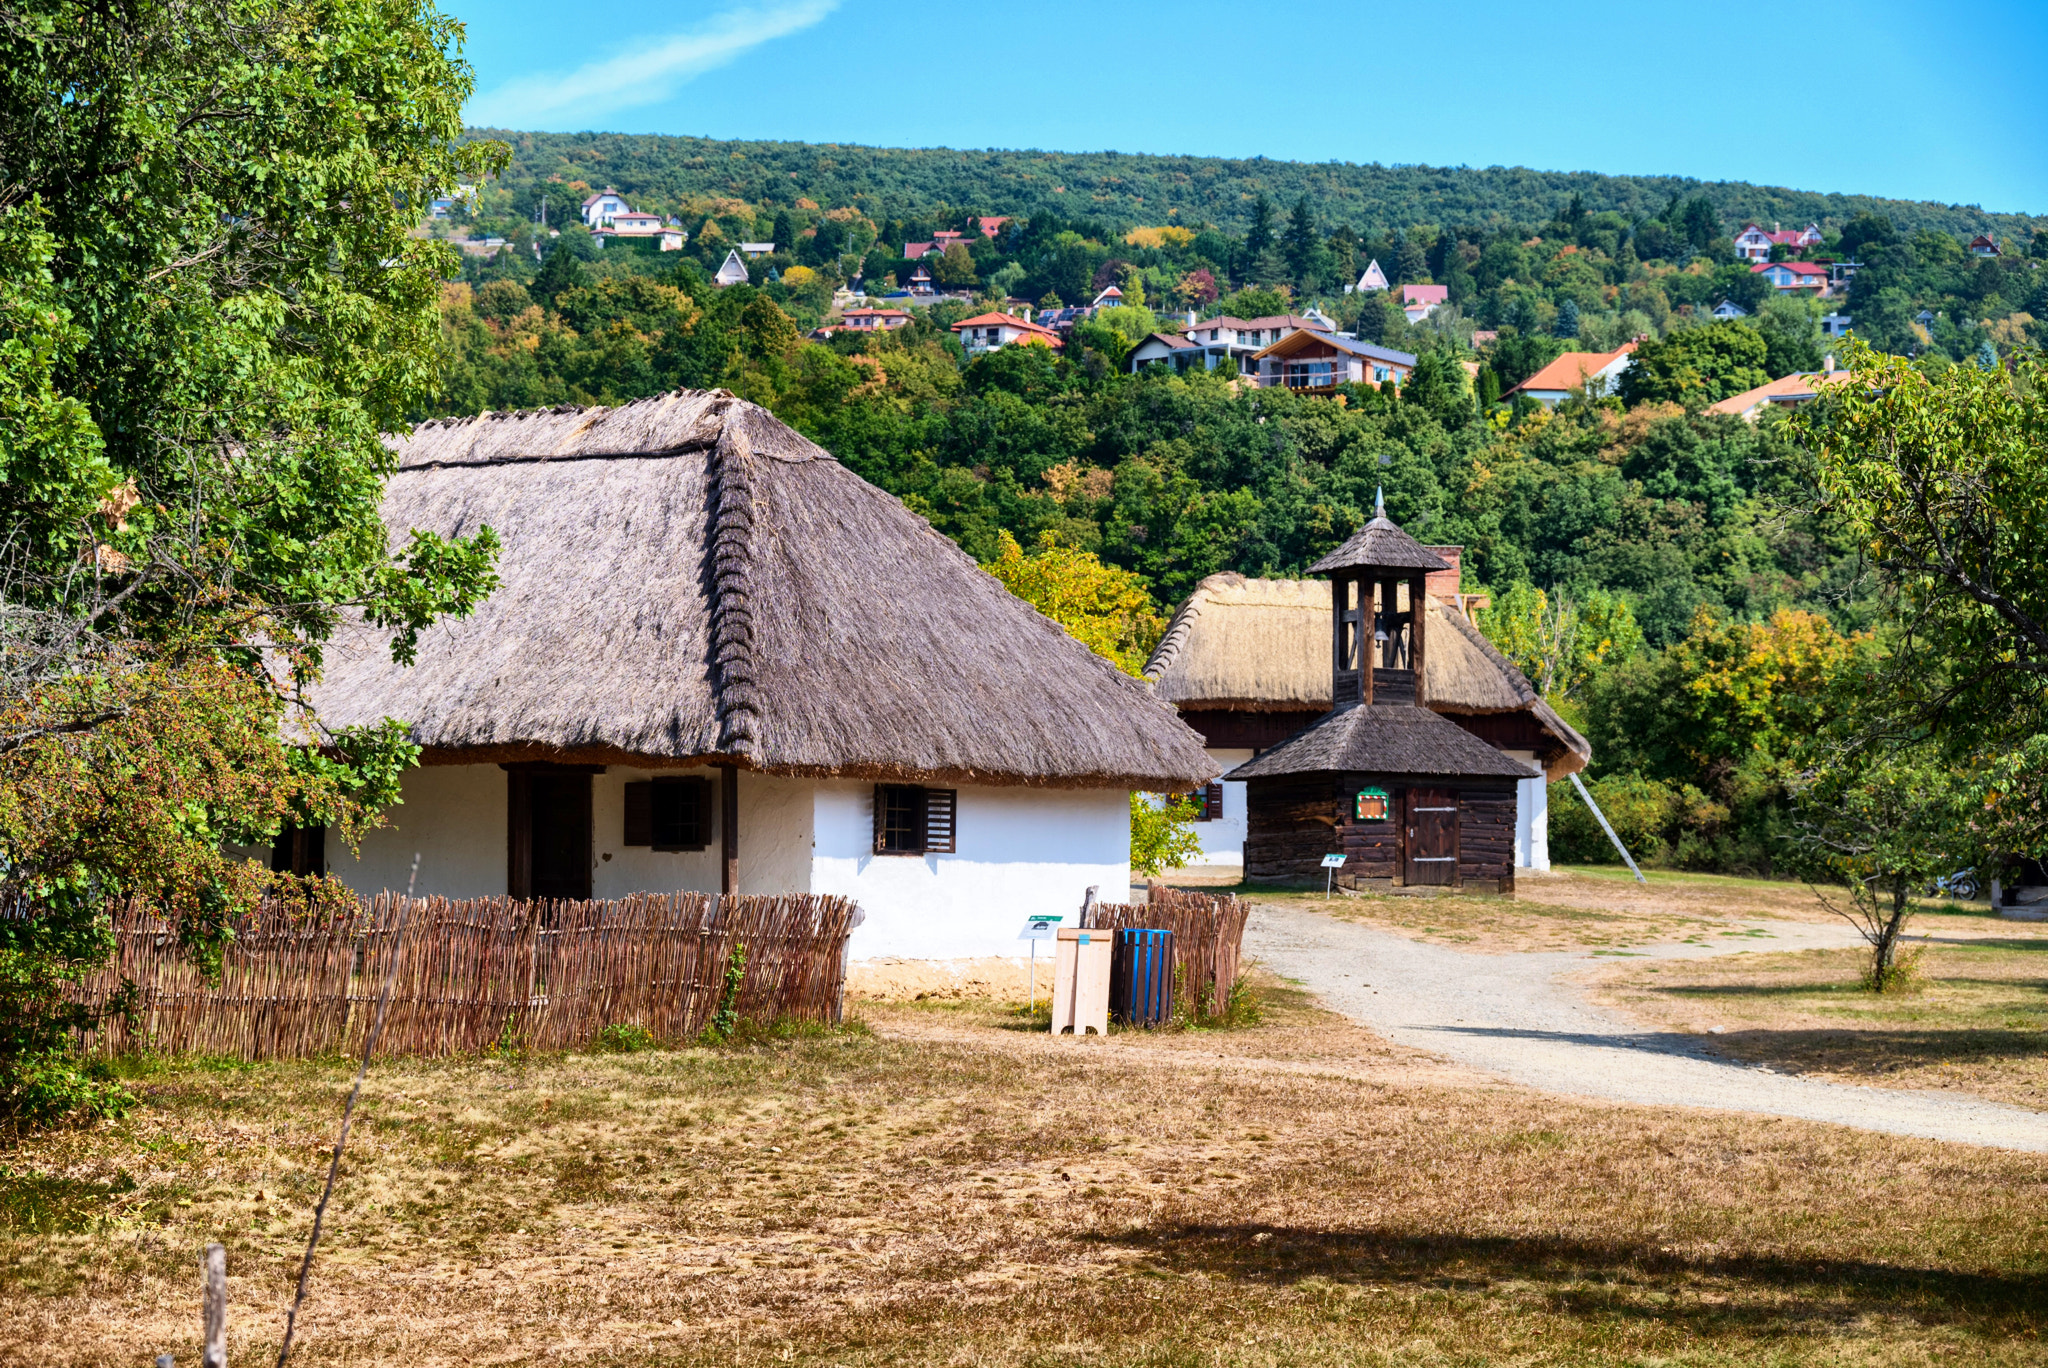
(215, 1355)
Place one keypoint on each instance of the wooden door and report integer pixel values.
(559, 808)
(1432, 856)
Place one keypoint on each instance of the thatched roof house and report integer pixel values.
(688, 586)
(686, 578)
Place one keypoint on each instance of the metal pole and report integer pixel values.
(1607, 828)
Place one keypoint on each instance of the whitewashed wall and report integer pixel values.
(1020, 851)
(1532, 818)
(1223, 841)
(454, 816)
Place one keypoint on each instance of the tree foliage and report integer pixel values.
(211, 304)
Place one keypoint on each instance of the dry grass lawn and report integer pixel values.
(950, 1189)
(1975, 1018)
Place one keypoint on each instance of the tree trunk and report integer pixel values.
(1885, 959)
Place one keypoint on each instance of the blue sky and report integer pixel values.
(1914, 102)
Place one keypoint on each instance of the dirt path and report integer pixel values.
(1514, 1016)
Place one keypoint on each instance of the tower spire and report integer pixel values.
(1379, 501)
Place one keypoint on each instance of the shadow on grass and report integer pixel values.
(1846, 1045)
(1590, 1276)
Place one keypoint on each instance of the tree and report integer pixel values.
(1438, 385)
(1558, 642)
(1942, 482)
(1884, 822)
(1697, 366)
(1410, 264)
(1106, 609)
(955, 267)
(1163, 834)
(212, 304)
(1699, 222)
(1308, 260)
(1867, 232)
(1567, 324)
(1258, 237)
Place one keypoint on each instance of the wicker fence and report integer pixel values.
(475, 973)
(1208, 936)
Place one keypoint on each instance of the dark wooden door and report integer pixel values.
(559, 808)
(1432, 836)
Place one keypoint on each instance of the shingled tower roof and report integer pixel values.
(1379, 545)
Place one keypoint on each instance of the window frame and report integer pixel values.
(930, 824)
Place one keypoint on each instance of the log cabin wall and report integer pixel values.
(1486, 838)
(1291, 824)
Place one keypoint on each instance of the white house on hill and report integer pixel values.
(717, 660)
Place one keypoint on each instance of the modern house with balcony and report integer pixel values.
(1317, 362)
(1793, 277)
(989, 332)
(1597, 373)
(1754, 244)
(1211, 341)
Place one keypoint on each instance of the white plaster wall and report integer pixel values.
(1223, 841)
(1532, 818)
(618, 869)
(454, 816)
(1021, 852)
(777, 833)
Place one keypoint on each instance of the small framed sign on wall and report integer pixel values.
(1373, 806)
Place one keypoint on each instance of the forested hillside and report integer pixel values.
(1123, 189)
(1644, 567)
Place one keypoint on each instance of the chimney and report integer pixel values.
(1193, 317)
(1442, 585)
(1827, 364)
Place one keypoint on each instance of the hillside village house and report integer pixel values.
(1728, 310)
(1420, 301)
(866, 320)
(1217, 339)
(1315, 362)
(601, 208)
(717, 660)
(989, 332)
(1787, 391)
(1597, 373)
(731, 271)
(752, 250)
(1984, 245)
(1835, 324)
(1373, 279)
(1789, 277)
(1247, 662)
(1754, 244)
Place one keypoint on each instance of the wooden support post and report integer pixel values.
(215, 1354)
(729, 830)
(1368, 628)
(1418, 611)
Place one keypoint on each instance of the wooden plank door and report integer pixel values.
(1432, 837)
(559, 808)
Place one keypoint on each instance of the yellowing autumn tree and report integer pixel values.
(1105, 608)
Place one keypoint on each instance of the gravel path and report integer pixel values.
(1510, 1014)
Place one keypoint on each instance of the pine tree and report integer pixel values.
(1298, 242)
(784, 232)
(1987, 355)
(1260, 235)
(1567, 325)
(1410, 266)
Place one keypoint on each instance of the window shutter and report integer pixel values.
(1212, 802)
(696, 815)
(639, 813)
(940, 806)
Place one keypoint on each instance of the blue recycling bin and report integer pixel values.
(1141, 976)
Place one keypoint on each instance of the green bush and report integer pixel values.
(1641, 811)
(624, 1037)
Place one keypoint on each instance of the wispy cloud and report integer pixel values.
(647, 74)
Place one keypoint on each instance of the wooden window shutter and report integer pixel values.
(940, 808)
(1212, 802)
(639, 813)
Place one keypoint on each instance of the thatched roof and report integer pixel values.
(1380, 545)
(1392, 739)
(1256, 645)
(685, 579)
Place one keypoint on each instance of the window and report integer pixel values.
(1211, 798)
(669, 814)
(914, 821)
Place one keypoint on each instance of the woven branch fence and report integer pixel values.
(474, 973)
(1208, 936)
